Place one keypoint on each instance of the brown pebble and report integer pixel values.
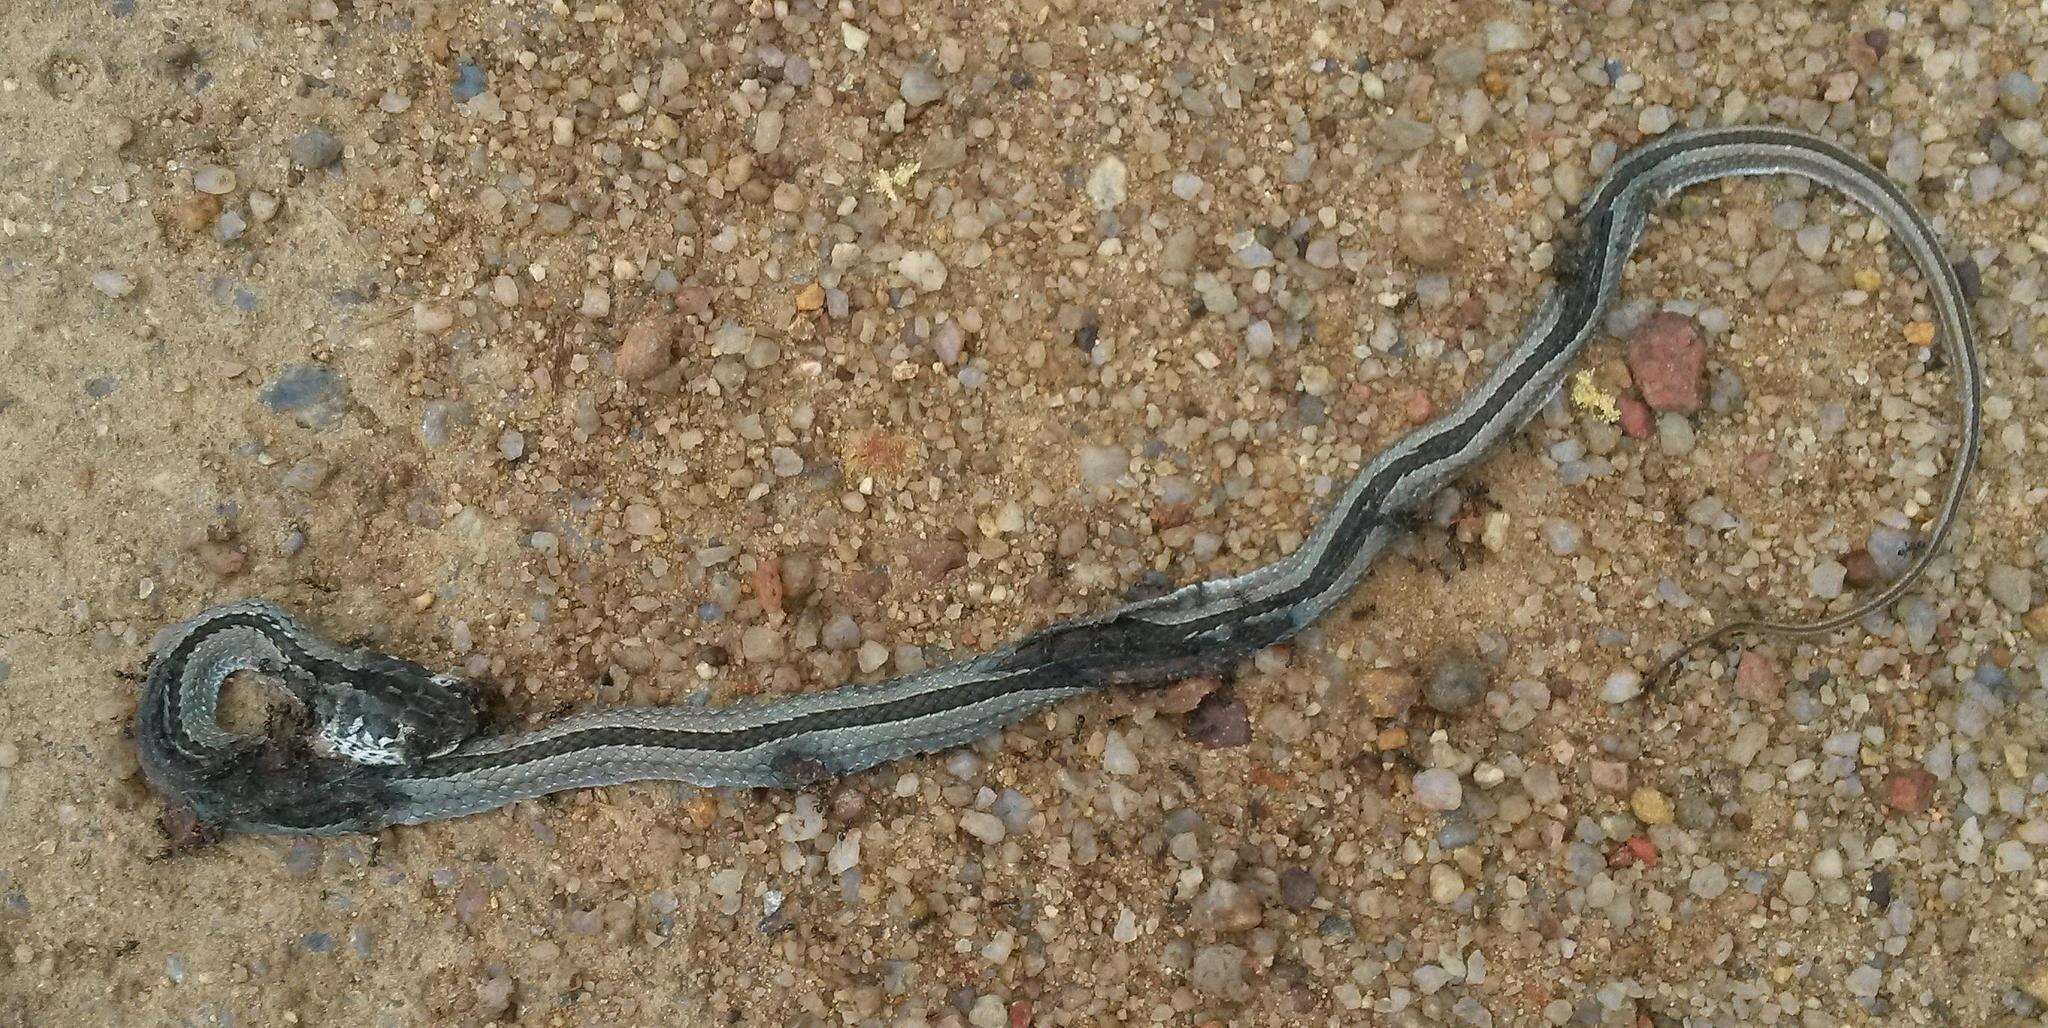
(936, 558)
(1182, 696)
(196, 213)
(1388, 693)
(2036, 622)
(1667, 357)
(767, 577)
(1636, 421)
(646, 351)
(1862, 569)
(1609, 776)
(1908, 791)
(224, 559)
(811, 297)
(1757, 679)
(693, 301)
(1220, 721)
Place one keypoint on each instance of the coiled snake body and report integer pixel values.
(395, 743)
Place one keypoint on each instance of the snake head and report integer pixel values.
(391, 712)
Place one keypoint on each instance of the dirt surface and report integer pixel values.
(648, 352)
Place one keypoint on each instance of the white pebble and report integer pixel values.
(1621, 687)
(923, 269)
(1117, 758)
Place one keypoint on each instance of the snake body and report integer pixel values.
(394, 743)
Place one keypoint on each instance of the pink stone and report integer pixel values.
(1667, 357)
(1635, 418)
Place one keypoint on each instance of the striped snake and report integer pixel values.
(393, 743)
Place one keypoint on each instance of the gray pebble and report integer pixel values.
(1561, 536)
(1457, 682)
(840, 634)
(921, 87)
(2012, 587)
(315, 148)
(1674, 435)
(2018, 94)
(512, 444)
(1826, 578)
(1439, 789)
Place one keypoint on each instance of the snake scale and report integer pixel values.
(392, 742)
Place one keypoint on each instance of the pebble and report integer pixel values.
(645, 351)
(1908, 791)
(1757, 679)
(984, 826)
(1502, 36)
(2018, 94)
(1562, 537)
(314, 394)
(1445, 884)
(1826, 579)
(214, 180)
(1117, 758)
(1457, 682)
(431, 319)
(923, 269)
(1107, 184)
(511, 444)
(1102, 465)
(1439, 789)
(116, 284)
(1297, 888)
(1667, 359)
(1651, 806)
(315, 148)
(2012, 587)
(1218, 971)
(1225, 907)
(920, 87)
(1621, 687)
(840, 634)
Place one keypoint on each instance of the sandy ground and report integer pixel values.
(333, 303)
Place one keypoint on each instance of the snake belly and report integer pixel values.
(394, 743)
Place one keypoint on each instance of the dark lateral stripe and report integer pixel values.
(938, 701)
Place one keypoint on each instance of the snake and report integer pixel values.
(385, 741)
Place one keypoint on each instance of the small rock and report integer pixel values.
(315, 148)
(920, 87)
(314, 394)
(760, 643)
(1445, 884)
(1457, 683)
(1667, 358)
(1220, 721)
(1439, 789)
(2012, 587)
(1609, 776)
(1117, 758)
(840, 634)
(1218, 971)
(1502, 36)
(871, 656)
(511, 444)
(1388, 694)
(214, 180)
(1405, 135)
(1297, 888)
(1636, 420)
(1757, 679)
(645, 351)
(1621, 687)
(923, 269)
(1225, 907)
(984, 826)
(431, 319)
(1650, 806)
(194, 213)
(1908, 791)
(1107, 183)
(117, 284)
